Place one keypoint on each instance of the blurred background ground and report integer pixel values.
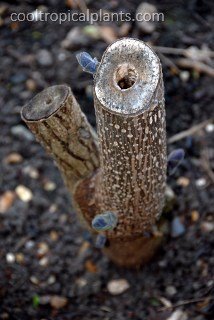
(49, 268)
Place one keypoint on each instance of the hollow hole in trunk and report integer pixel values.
(125, 76)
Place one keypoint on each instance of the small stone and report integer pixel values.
(163, 263)
(3, 8)
(200, 183)
(63, 217)
(44, 58)
(37, 14)
(169, 193)
(51, 280)
(183, 182)
(53, 208)
(169, 199)
(6, 201)
(184, 75)
(171, 291)
(24, 193)
(75, 39)
(58, 302)
(43, 300)
(146, 9)
(22, 133)
(194, 215)
(18, 78)
(42, 249)
(34, 280)
(20, 257)
(4, 316)
(207, 226)
(177, 228)
(43, 262)
(90, 266)
(116, 287)
(89, 92)
(31, 85)
(209, 127)
(31, 172)
(210, 283)
(10, 257)
(54, 235)
(13, 158)
(81, 282)
(178, 315)
(62, 56)
(29, 244)
(49, 186)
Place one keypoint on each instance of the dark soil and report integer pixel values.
(72, 267)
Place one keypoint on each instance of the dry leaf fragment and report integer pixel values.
(6, 201)
(58, 302)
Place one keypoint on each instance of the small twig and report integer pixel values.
(185, 302)
(169, 63)
(205, 163)
(206, 166)
(202, 20)
(195, 58)
(177, 51)
(81, 5)
(168, 50)
(189, 132)
(196, 65)
(21, 243)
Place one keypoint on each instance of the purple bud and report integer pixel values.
(100, 241)
(105, 221)
(87, 63)
(174, 160)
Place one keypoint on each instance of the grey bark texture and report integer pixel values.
(132, 135)
(57, 121)
(126, 174)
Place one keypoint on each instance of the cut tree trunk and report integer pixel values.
(57, 121)
(127, 175)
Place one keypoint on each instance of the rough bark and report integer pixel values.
(132, 136)
(130, 179)
(58, 123)
(130, 114)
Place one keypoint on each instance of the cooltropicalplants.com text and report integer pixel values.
(91, 17)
